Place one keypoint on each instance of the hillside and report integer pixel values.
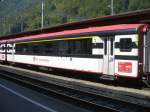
(24, 15)
(12, 7)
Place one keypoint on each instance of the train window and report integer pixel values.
(87, 46)
(47, 48)
(0, 48)
(125, 45)
(3, 48)
(78, 47)
(62, 47)
(9, 47)
(105, 50)
(50, 48)
(69, 47)
(22, 48)
(83, 46)
(112, 45)
(18, 49)
(72, 47)
(36, 49)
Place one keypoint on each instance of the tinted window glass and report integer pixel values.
(105, 50)
(112, 45)
(50, 48)
(36, 49)
(83, 46)
(62, 47)
(3, 47)
(126, 45)
(22, 48)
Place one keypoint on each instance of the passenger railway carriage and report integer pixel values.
(110, 51)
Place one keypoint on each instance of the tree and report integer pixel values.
(139, 4)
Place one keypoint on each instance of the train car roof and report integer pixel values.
(134, 28)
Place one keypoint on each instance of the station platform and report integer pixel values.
(135, 96)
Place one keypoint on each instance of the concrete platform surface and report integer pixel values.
(136, 96)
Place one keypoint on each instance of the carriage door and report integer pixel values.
(108, 60)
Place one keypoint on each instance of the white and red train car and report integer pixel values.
(111, 51)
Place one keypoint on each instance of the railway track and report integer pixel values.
(94, 102)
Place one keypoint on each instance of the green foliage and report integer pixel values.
(139, 4)
(25, 15)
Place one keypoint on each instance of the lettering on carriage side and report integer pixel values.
(35, 59)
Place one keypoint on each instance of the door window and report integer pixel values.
(105, 49)
(112, 45)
